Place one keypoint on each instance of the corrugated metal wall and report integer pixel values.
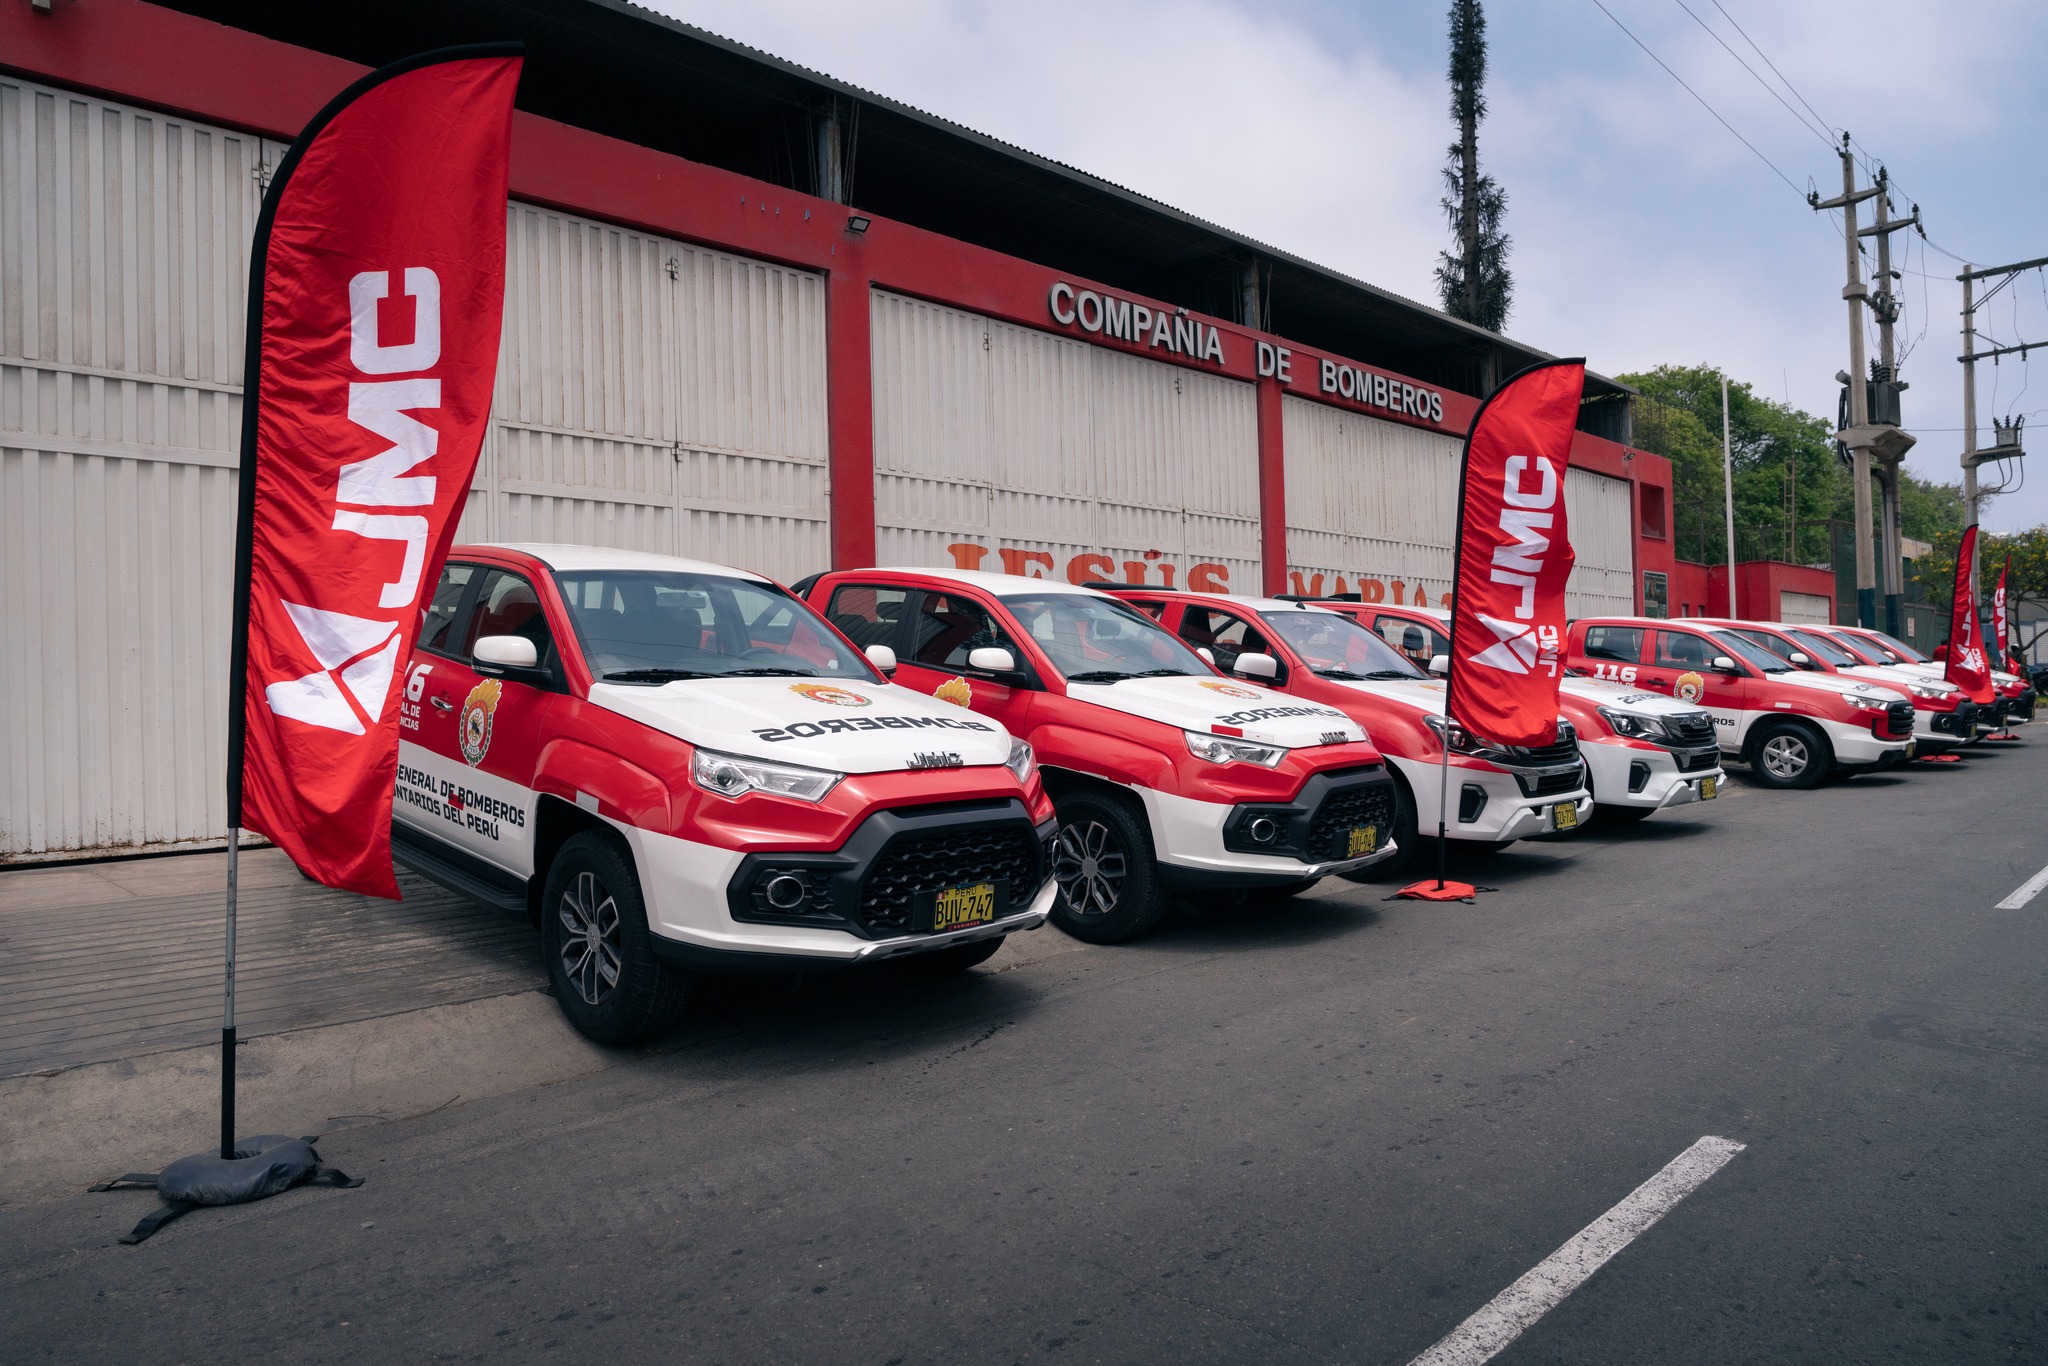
(123, 263)
(1372, 502)
(1001, 436)
(656, 396)
(651, 395)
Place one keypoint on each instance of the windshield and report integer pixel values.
(653, 626)
(1755, 654)
(1902, 649)
(1100, 640)
(1338, 647)
(1825, 648)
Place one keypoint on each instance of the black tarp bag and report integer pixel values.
(262, 1166)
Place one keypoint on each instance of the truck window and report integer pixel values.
(948, 628)
(1223, 635)
(1623, 644)
(868, 614)
(1417, 643)
(651, 626)
(438, 617)
(1680, 650)
(506, 605)
(1822, 648)
(1092, 639)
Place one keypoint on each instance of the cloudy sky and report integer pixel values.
(1644, 231)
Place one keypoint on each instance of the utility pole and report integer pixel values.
(2006, 438)
(1728, 491)
(1887, 386)
(1864, 438)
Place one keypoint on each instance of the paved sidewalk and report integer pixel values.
(119, 960)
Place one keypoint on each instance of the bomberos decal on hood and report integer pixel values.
(850, 727)
(1206, 703)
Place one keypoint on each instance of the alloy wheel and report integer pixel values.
(1786, 756)
(1089, 866)
(590, 938)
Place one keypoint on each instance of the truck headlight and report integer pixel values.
(1932, 692)
(1221, 749)
(1634, 725)
(729, 775)
(1021, 760)
(1865, 702)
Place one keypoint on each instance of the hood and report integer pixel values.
(853, 727)
(1842, 685)
(1203, 704)
(1425, 696)
(1622, 697)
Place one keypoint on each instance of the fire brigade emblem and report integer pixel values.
(1689, 688)
(479, 709)
(956, 690)
(1232, 690)
(829, 695)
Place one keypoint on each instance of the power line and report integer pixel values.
(1774, 68)
(1703, 103)
(1825, 139)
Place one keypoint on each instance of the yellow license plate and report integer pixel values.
(959, 907)
(1364, 840)
(1564, 816)
(1710, 788)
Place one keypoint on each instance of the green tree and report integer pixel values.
(1474, 280)
(2027, 585)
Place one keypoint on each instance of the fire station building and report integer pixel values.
(753, 315)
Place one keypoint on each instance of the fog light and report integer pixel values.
(1471, 801)
(785, 893)
(1638, 775)
(1263, 830)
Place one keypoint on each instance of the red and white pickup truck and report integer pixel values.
(1793, 729)
(2015, 695)
(676, 766)
(1644, 751)
(1500, 794)
(1166, 776)
(1942, 717)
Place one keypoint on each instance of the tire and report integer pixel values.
(1405, 836)
(1110, 889)
(1789, 754)
(960, 957)
(594, 922)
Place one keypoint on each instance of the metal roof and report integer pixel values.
(622, 70)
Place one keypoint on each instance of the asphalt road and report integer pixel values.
(1324, 1131)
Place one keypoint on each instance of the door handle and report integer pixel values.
(443, 703)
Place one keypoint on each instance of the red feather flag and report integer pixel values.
(2001, 629)
(1967, 667)
(376, 289)
(1514, 555)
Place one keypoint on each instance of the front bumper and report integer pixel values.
(1211, 845)
(1649, 778)
(708, 909)
(1856, 746)
(1493, 805)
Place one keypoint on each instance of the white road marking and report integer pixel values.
(2028, 890)
(1510, 1313)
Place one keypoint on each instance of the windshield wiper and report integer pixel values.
(766, 673)
(652, 675)
(1113, 676)
(1377, 674)
(1344, 674)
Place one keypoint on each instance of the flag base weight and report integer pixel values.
(265, 1165)
(1430, 889)
(1940, 759)
(2004, 739)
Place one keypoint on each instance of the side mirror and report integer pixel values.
(1801, 658)
(992, 659)
(1722, 664)
(1208, 655)
(1440, 665)
(1256, 665)
(506, 652)
(883, 658)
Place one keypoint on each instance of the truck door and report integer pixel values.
(469, 780)
(942, 631)
(1680, 666)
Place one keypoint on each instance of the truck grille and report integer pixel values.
(1344, 810)
(1696, 760)
(1552, 784)
(1692, 728)
(2020, 708)
(1564, 750)
(1901, 717)
(952, 858)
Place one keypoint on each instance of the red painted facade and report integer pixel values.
(146, 55)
